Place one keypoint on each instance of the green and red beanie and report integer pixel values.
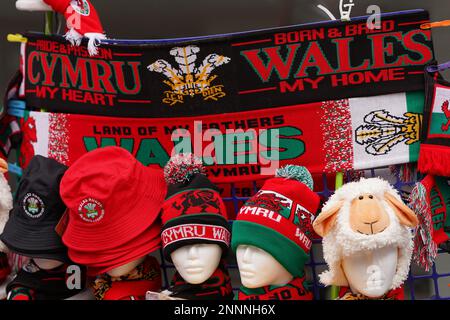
(278, 218)
(193, 211)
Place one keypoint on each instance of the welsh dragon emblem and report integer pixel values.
(382, 131)
(189, 79)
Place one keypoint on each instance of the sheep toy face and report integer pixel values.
(366, 224)
(367, 215)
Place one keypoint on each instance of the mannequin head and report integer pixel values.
(126, 268)
(371, 273)
(258, 268)
(32, 5)
(197, 262)
(47, 264)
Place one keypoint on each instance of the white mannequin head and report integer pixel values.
(197, 262)
(371, 273)
(47, 264)
(32, 5)
(258, 268)
(125, 268)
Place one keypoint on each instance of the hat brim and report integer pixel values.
(96, 237)
(147, 242)
(25, 237)
(51, 255)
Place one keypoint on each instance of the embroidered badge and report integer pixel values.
(33, 205)
(91, 210)
(81, 7)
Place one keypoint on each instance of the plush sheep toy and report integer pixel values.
(5, 201)
(367, 238)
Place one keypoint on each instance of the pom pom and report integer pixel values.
(298, 173)
(182, 167)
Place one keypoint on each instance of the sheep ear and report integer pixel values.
(326, 219)
(406, 216)
(3, 166)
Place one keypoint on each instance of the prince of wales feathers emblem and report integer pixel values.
(91, 212)
(189, 80)
(382, 131)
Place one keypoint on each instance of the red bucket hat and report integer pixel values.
(111, 199)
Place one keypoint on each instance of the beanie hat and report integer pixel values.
(37, 209)
(113, 200)
(6, 200)
(82, 20)
(278, 218)
(193, 211)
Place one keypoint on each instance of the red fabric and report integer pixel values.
(131, 290)
(434, 159)
(301, 127)
(294, 190)
(264, 209)
(83, 21)
(396, 294)
(58, 5)
(193, 202)
(439, 234)
(112, 199)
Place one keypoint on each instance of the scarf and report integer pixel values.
(5, 268)
(217, 287)
(33, 283)
(434, 157)
(346, 294)
(326, 136)
(430, 199)
(131, 286)
(225, 73)
(294, 290)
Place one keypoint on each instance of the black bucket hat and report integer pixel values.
(37, 209)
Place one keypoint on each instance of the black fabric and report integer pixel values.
(217, 287)
(189, 219)
(198, 181)
(430, 80)
(37, 210)
(45, 284)
(237, 83)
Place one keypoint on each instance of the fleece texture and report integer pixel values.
(342, 241)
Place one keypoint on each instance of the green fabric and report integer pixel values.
(444, 188)
(284, 250)
(415, 103)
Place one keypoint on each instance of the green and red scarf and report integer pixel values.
(430, 199)
(294, 290)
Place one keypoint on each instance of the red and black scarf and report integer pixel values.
(346, 294)
(34, 283)
(217, 287)
(132, 286)
(294, 290)
(434, 156)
